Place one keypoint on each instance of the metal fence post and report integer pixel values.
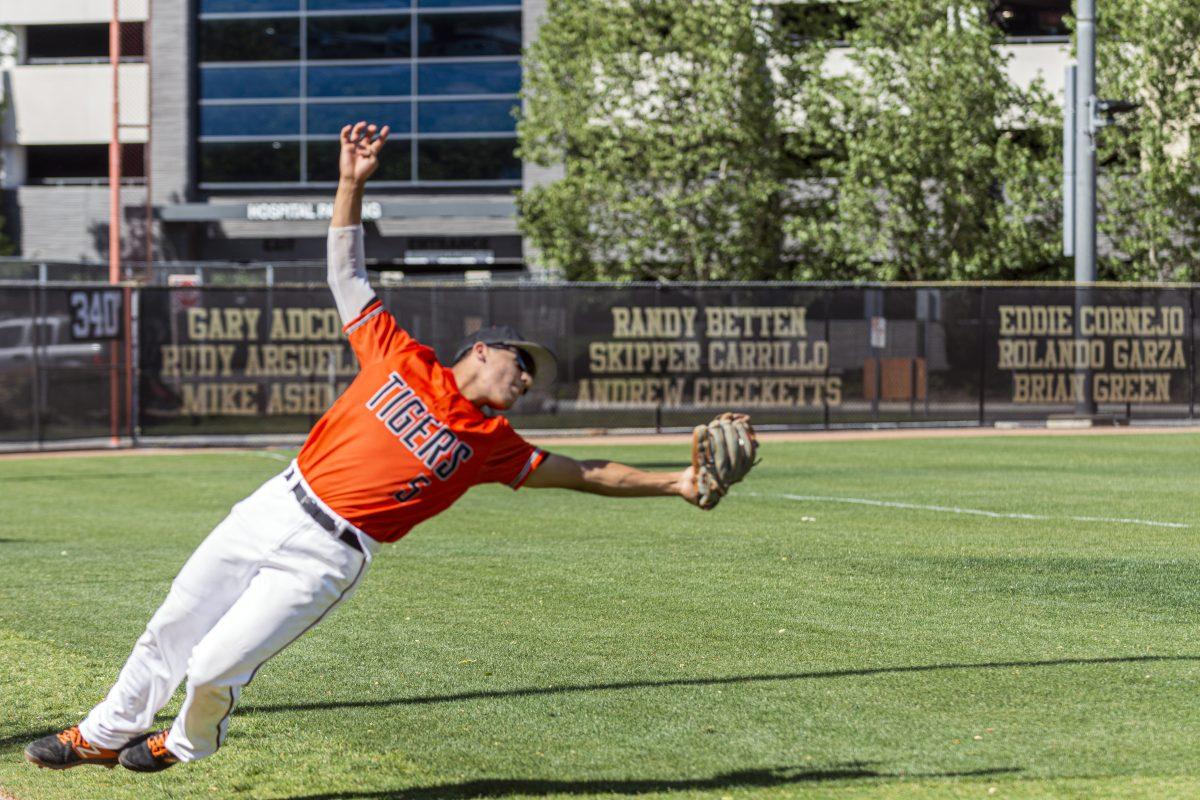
(983, 351)
(929, 310)
(1192, 358)
(35, 376)
(828, 295)
(873, 307)
(912, 362)
(135, 366)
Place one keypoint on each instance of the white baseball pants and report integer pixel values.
(261, 579)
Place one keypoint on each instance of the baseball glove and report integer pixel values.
(723, 451)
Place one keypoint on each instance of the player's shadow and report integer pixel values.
(161, 720)
(25, 737)
(249, 710)
(733, 679)
(659, 464)
(741, 779)
(73, 478)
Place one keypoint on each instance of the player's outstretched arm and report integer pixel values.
(357, 161)
(611, 479)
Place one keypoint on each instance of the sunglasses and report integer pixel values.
(524, 361)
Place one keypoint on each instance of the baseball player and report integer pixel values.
(406, 439)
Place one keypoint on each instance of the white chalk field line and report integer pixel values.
(267, 454)
(978, 512)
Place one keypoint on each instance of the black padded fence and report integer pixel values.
(269, 360)
(65, 363)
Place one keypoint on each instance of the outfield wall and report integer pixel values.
(269, 360)
(66, 363)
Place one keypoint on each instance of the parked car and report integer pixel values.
(71, 386)
(55, 348)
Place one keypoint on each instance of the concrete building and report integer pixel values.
(230, 111)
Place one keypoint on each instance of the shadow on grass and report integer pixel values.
(658, 464)
(750, 778)
(22, 739)
(734, 679)
(250, 710)
(73, 477)
(25, 738)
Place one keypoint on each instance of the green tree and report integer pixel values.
(1148, 193)
(663, 117)
(936, 166)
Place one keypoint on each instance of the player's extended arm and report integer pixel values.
(611, 479)
(358, 159)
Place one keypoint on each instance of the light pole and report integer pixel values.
(1085, 142)
(1083, 116)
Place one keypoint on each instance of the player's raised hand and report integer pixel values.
(359, 156)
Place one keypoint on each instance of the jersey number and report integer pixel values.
(411, 489)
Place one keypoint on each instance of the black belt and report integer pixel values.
(324, 520)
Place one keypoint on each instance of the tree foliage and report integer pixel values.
(663, 116)
(1149, 191)
(703, 139)
(938, 167)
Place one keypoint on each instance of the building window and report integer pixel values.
(395, 163)
(464, 3)
(360, 37)
(449, 116)
(279, 79)
(250, 162)
(243, 120)
(1032, 18)
(247, 6)
(358, 5)
(330, 118)
(478, 77)
(363, 80)
(801, 22)
(468, 159)
(81, 164)
(806, 22)
(444, 35)
(259, 39)
(57, 44)
(249, 82)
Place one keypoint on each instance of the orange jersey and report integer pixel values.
(402, 443)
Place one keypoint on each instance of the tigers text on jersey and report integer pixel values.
(402, 444)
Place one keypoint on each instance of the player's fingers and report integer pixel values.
(345, 134)
(357, 132)
(379, 140)
(372, 129)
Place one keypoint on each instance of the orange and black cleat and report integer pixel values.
(148, 754)
(69, 749)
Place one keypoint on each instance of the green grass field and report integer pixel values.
(547, 644)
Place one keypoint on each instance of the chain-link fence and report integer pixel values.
(243, 361)
(65, 364)
(256, 274)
